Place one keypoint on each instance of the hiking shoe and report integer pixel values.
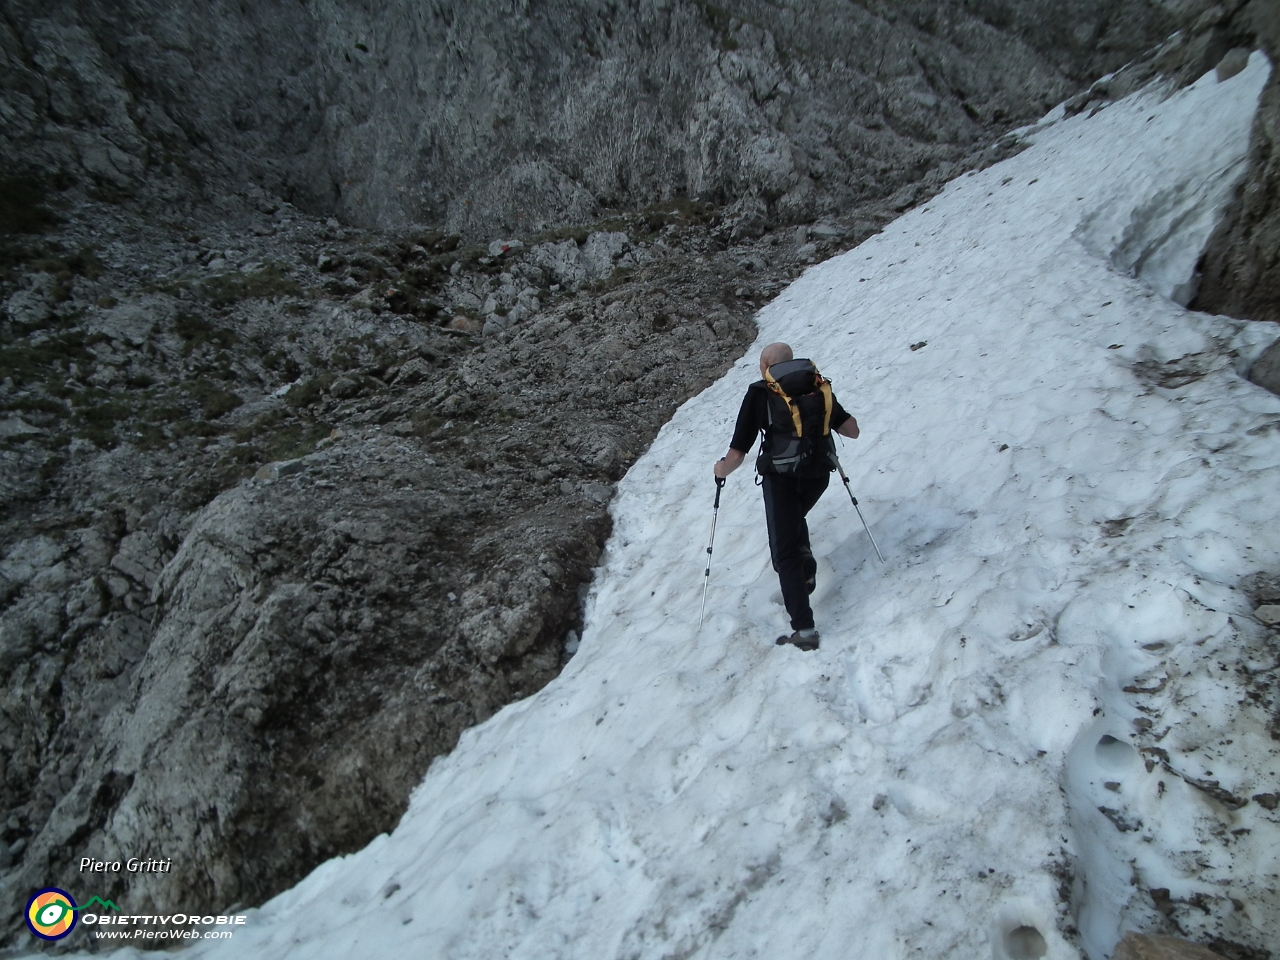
(801, 639)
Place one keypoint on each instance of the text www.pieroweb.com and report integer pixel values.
(179, 926)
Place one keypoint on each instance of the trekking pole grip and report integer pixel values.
(719, 487)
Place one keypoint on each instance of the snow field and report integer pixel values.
(1069, 481)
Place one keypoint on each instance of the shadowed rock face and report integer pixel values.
(513, 116)
(246, 668)
(1241, 266)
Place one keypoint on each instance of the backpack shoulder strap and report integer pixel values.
(824, 386)
(776, 388)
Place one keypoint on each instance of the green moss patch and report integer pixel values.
(309, 391)
(292, 441)
(37, 405)
(195, 332)
(214, 400)
(42, 362)
(269, 283)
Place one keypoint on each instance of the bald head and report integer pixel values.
(774, 353)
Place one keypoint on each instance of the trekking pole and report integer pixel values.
(706, 577)
(845, 478)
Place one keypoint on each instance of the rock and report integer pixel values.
(465, 324)
(28, 557)
(600, 251)
(415, 370)
(33, 306)
(599, 492)
(718, 129)
(1268, 613)
(499, 247)
(1137, 946)
(1234, 62)
(344, 387)
(33, 622)
(560, 260)
(17, 427)
(1265, 371)
(274, 471)
(905, 197)
(1239, 271)
(85, 600)
(139, 558)
(747, 219)
(132, 322)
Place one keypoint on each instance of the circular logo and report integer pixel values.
(51, 913)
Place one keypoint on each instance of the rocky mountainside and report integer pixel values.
(327, 331)
(509, 117)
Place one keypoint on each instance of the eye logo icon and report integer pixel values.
(51, 913)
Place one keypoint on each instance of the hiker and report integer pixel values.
(793, 411)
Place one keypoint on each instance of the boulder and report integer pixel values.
(1268, 613)
(17, 427)
(33, 305)
(344, 387)
(1266, 369)
(416, 370)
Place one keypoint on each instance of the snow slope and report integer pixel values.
(1068, 481)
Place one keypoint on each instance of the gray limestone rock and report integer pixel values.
(32, 306)
(1265, 371)
(1241, 264)
(510, 123)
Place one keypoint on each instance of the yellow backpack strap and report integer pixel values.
(795, 411)
(825, 386)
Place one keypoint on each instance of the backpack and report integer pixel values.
(797, 439)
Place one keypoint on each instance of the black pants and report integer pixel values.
(787, 500)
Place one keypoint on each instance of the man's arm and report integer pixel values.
(744, 436)
(730, 462)
(842, 421)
